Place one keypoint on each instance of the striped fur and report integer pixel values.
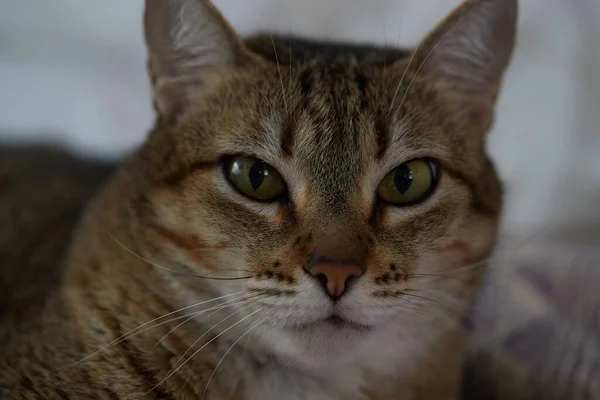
(167, 231)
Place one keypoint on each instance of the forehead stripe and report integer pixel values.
(286, 141)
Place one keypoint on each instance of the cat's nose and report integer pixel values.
(335, 275)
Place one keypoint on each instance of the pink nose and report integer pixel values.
(335, 276)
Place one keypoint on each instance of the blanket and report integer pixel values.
(535, 328)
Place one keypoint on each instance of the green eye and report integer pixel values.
(254, 178)
(408, 183)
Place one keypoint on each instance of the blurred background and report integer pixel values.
(73, 72)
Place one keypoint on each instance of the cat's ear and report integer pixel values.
(471, 48)
(186, 40)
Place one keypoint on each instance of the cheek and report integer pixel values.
(231, 240)
(451, 271)
(390, 270)
(447, 244)
(470, 239)
(281, 257)
(420, 228)
(205, 204)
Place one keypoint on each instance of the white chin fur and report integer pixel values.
(323, 345)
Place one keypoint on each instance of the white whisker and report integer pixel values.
(440, 304)
(402, 80)
(201, 348)
(216, 309)
(172, 270)
(129, 333)
(204, 334)
(227, 352)
(422, 64)
(280, 77)
(466, 267)
(418, 310)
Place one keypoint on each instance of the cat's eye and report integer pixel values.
(254, 178)
(409, 183)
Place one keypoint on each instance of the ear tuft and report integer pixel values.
(472, 47)
(185, 40)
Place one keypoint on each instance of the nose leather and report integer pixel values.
(335, 276)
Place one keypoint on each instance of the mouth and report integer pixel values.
(329, 339)
(338, 322)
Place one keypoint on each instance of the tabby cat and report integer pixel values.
(307, 220)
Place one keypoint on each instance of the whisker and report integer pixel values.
(249, 338)
(290, 57)
(280, 77)
(439, 303)
(216, 309)
(410, 60)
(235, 269)
(127, 334)
(201, 348)
(423, 63)
(454, 272)
(440, 276)
(204, 334)
(172, 270)
(463, 268)
(483, 283)
(471, 312)
(418, 311)
(227, 352)
(416, 51)
(394, 65)
(382, 20)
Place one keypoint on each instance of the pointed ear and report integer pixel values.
(186, 39)
(471, 48)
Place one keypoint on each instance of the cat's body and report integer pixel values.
(329, 120)
(42, 194)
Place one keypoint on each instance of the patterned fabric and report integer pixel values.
(536, 325)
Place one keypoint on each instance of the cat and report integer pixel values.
(306, 220)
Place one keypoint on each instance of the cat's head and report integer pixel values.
(346, 194)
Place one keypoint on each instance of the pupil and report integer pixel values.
(257, 175)
(403, 178)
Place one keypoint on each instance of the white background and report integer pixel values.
(73, 71)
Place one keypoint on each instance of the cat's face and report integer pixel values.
(347, 194)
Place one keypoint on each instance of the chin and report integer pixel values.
(325, 343)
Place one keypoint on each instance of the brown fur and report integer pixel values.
(331, 119)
